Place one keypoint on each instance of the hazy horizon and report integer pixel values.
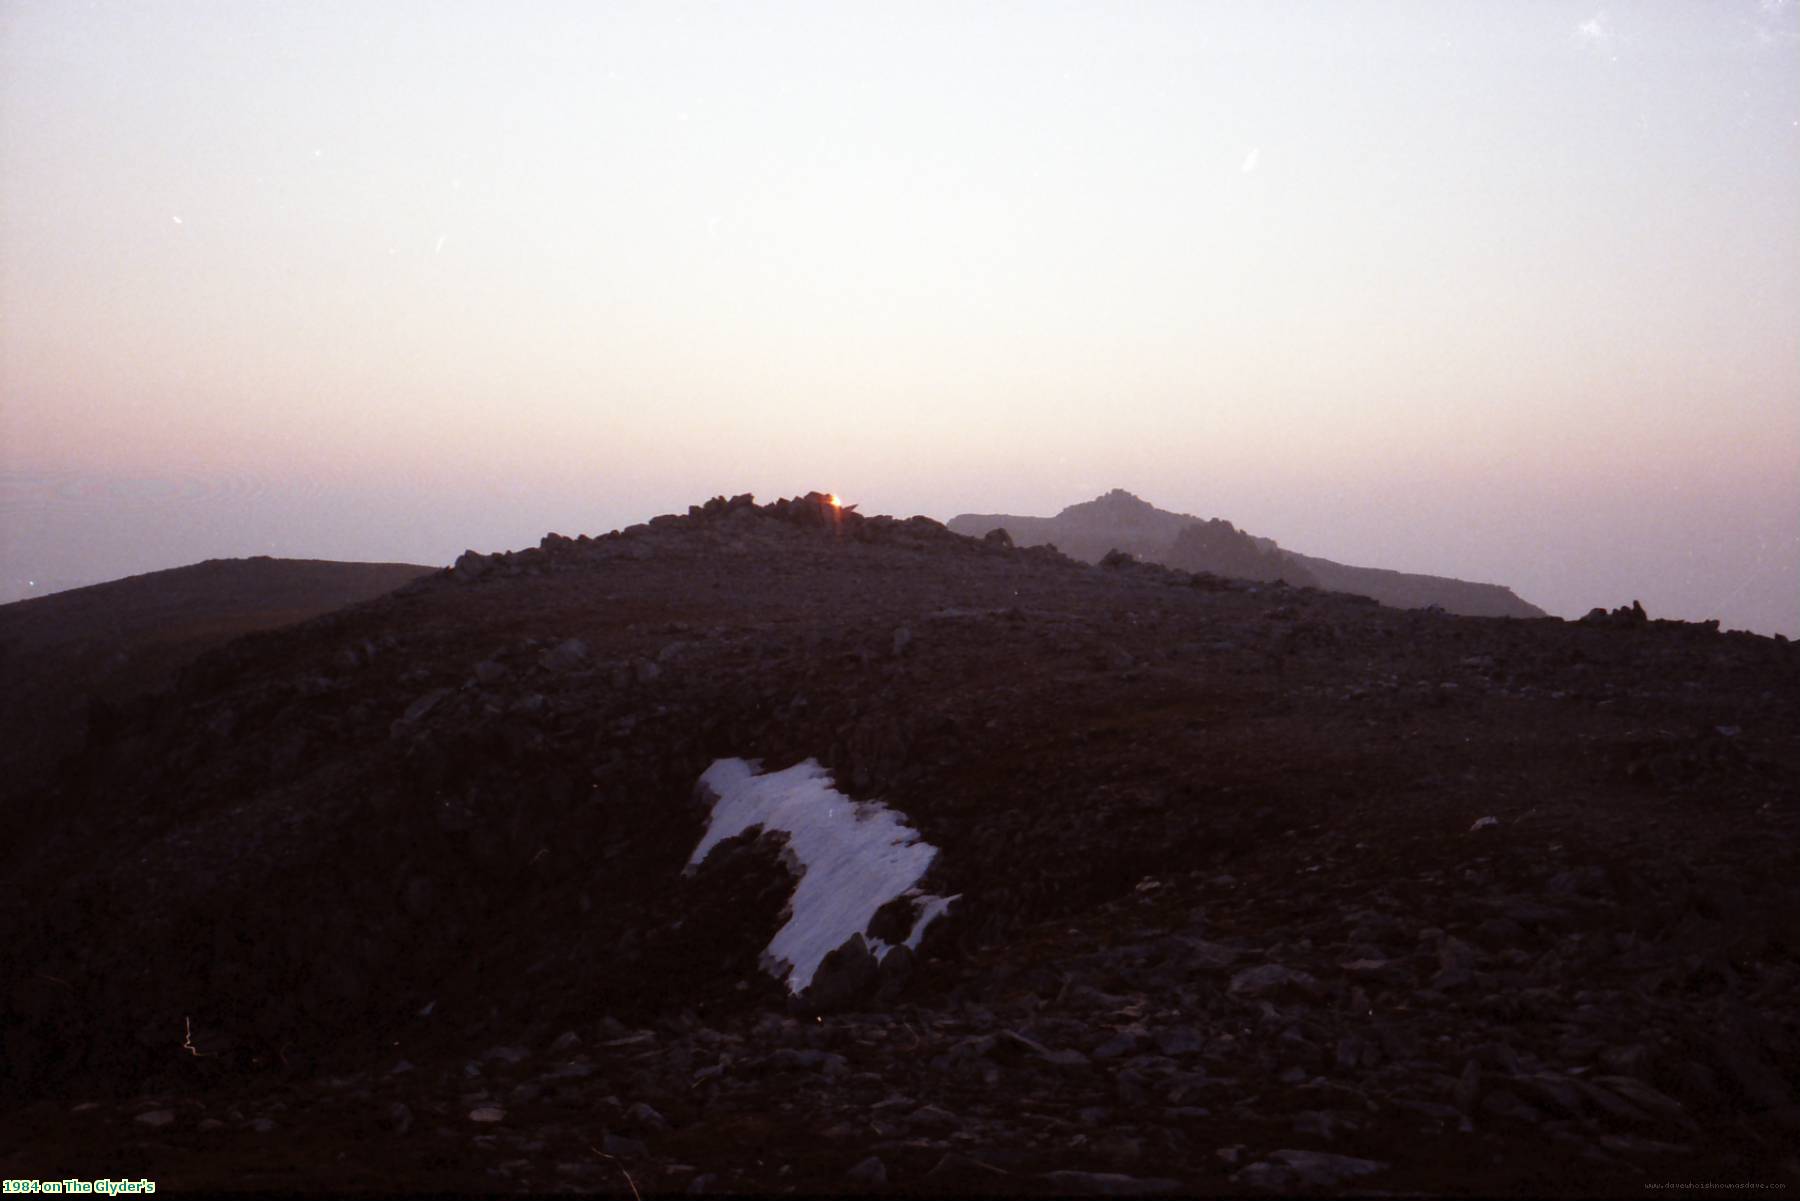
(1504, 293)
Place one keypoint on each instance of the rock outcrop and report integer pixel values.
(1222, 549)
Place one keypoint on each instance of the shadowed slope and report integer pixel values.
(108, 642)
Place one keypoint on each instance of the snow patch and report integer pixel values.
(852, 857)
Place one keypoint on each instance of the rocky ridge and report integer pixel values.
(1263, 888)
(1119, 521)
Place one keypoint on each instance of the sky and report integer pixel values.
(1509, 292)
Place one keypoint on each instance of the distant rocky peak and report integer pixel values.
(1115, 500)
(1119, 521)
(1119, 508)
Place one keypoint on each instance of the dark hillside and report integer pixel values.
(110, 642)
(1259, 889)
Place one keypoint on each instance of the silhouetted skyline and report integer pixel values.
(1506, 293)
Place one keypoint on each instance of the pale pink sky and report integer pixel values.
(1509, 292)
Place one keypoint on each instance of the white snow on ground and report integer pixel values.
(852, 857)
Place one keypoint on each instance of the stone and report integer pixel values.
(1198, 955)
(1455, 955)
(470, 566)
(1111, 1184)
(1448, 980)
(842, 978)
(1119, 1150)
(1504, 1103)
(647, 1118)
(1585, 881)
(573, 1070)
(956, 1167)
(487, 1113)
(156, 1117)
(1319, 1123)
(1270, 980)
(566, 655)
(418, 897)
(422, 706)
(827, 1063)
(870, 1171)
(396, 1117)
(1558, 1094)
(1284, 1171)
(1468, 1088)
(1123, 1043)
(932, 1117)
(1116, 659)
(1352, 1050)
(1529, 913)
(1060, 1057)
(1500, 932)
(624, 1148)
(1132, 1087)
(1634, 1146)
(896, 969)
(1741, 1061)
(1644, 1097)
(1179, 1040)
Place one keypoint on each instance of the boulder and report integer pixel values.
(896, 969)
(1111, 1184)
(871, 1172)
(1272, 980)
(843, 977)
(566, 655)
(1285, 1171)
(471, 566)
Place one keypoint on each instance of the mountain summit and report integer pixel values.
(771, 848)
(1119, 520)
